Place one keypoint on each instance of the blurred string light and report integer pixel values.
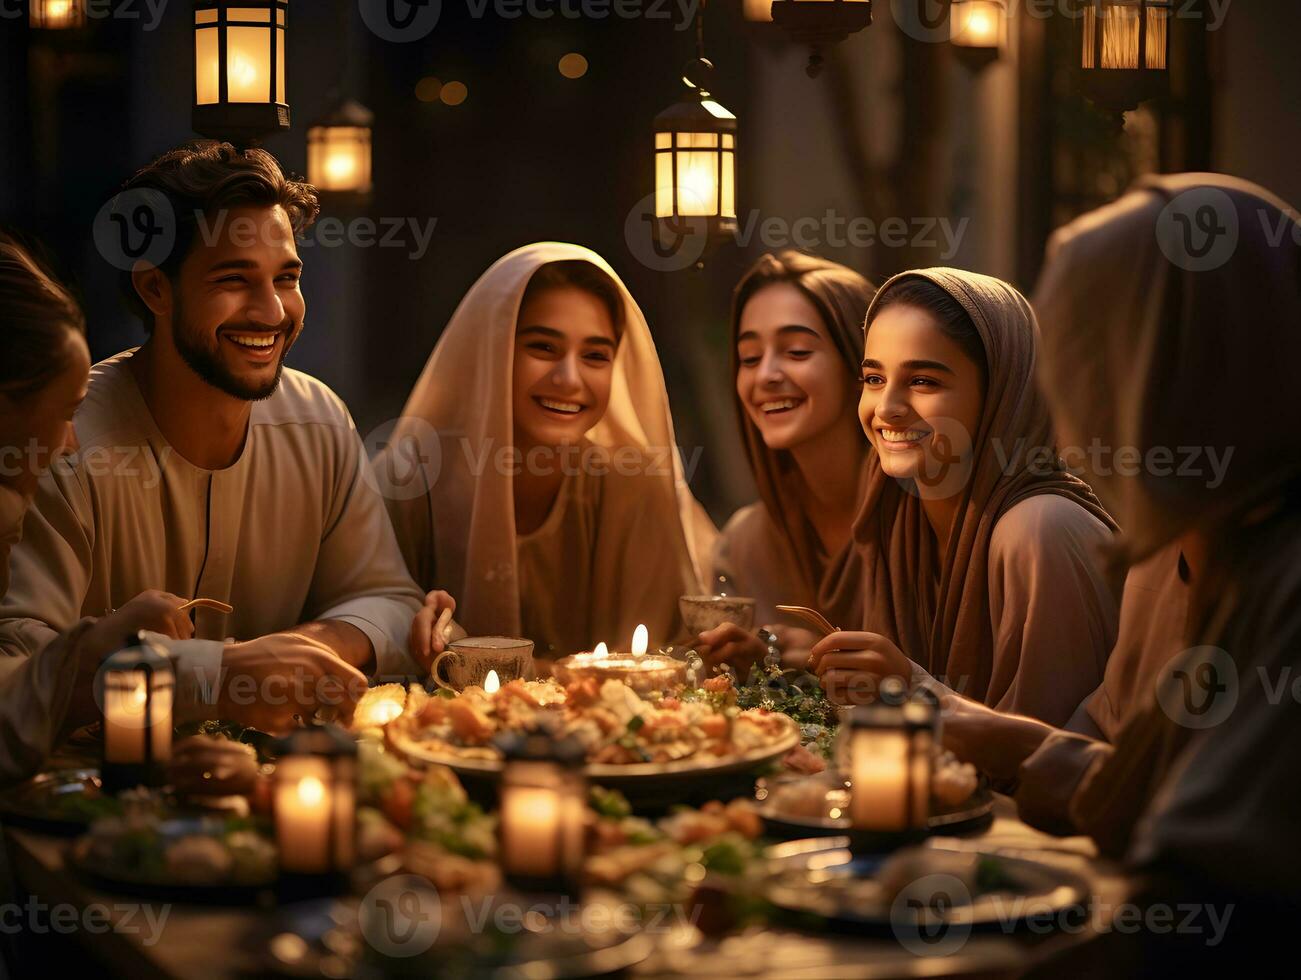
(573, 65)
(428, 89)
(453, 93)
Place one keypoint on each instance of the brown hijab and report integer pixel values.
(1163, 336)
(785, 545)
(946, 627)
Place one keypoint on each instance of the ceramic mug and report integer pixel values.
(467, 661)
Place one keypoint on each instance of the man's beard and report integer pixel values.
(205, 361)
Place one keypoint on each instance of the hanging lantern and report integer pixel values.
(135, 692)
(339, 151)
(57, 15)
(315, 804)
(1125, 51)
(819, 23)
(695, 165)
(978, 31)
(239, 68)
(890, 746)
(542, 815)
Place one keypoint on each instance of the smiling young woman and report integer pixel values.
(980, 553)
(797, 324)
(557, 509)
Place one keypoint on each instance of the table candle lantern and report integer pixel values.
(135, 689)
(314, 799)
(543, 804)
(890, 752)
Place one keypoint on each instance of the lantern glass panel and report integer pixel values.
(697, 183)
(247, 68)
(314, 809)
(541, 821)
(728, 209)
(339, 158)
(1121, 28)
(131, 713)
(663, 141)
(205, 16)
(257, 14)
(207, 76)
(664, 190)
(280, 66)
(879, 793)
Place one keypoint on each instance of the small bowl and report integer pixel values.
(705, 612)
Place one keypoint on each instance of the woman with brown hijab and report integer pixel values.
(979, 550)
(1165, 315)
(797, 338)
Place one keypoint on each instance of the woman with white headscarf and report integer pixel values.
(558, 510)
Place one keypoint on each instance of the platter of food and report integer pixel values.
(922, 889)
(63, 802)
(631, 740)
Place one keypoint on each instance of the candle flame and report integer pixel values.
(311, 791)
(640, 640)
(601, 652)
(491, 683)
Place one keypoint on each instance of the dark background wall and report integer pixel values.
(893, 128)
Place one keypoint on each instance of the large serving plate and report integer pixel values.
(684, 781)
(822, 877)
(62, 802)
(135, 880)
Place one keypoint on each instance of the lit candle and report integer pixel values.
(135, 688)
(315, 802)
(491, 683)
(303, 815)
(541, 819)
(640, 641)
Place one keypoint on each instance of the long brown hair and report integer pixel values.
(36, 314)
(841, 296)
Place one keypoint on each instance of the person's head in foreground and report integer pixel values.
(225, 303)
(44, 365)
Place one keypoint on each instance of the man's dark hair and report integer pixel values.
(204, 178)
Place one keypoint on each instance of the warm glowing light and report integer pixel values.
(311, 791)
(573, 65)
(640, 641)
(491, 683)
(601, 652)
(57, 14)
(977, 23)
(701, 166)
(1121, 29)
(759, 11)
(454, 93)
(428, 89)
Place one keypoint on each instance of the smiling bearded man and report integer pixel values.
(208, 469)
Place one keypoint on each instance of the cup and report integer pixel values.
(705, 612)
(467, 661)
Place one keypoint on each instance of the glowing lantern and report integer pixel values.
(339, 151)
(978, 31)
(239, 68)
(136, 686)
(542, 814)
(1125, 51)
(314, 798)
(57, 15)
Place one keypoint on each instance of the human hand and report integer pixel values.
(153, 610)
(993, 742)
(426, 641)
(851, 665)
(730, 644)
(277, 681)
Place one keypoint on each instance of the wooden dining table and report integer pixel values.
(212, 942)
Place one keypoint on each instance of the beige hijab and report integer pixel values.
(778, 550)
(946, 627)
(459, 534)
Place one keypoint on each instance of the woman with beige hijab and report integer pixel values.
(797, 338)
(555, 507)
(1169, 317)
(980, 553)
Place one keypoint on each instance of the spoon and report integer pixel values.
(812, 617)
